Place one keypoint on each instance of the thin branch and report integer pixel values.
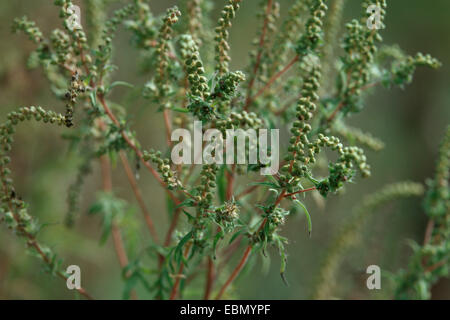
(246, 192)
(260, 51)
(115, 230)
(172, 226)
(168, 126)
(135, 148)
(174, 291)
(210, 277)
(138, 194)
(428, 232)
(235, 273)
(301, 191)
(275, 77)
(230, 182)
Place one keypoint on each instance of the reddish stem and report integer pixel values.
(209, 279)
(275, 77)
(235, 273)
(168, 126)
(135, 148)
(230, 182)
(172, 227)
(258, 57)
(174, 291)
(138, 195)
(301, 191)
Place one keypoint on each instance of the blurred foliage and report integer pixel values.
(410, 123)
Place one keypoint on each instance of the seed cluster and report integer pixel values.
(227, 84)
(222, 47)
(263, 59)
(143, 26)
(194, 67)
(202, 101)
(281, 88)
(207, 185)
(162, 50)
(301, 150)
(402, 73)
(342, 171)
(163, 166)
(29, 28)
(76, 87)
(75, 30)
(360, 46)
(62, 46)
(227, 214)
(10, 201)
(313, 29)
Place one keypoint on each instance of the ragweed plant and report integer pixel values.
(186, 56)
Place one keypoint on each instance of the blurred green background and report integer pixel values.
(411, 122)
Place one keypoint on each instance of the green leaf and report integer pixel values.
(109, 207)
(283, 263)
(190, 217)
(265, 183)
(186, 203)
(308, 217)
(121, 83)
(130, 284)
(178, 255)
(237, 234)
(97, 207)
(93, 99)
(170, 206)
(218, 236)
(182, 110)
(221, 184)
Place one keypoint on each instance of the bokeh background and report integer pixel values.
(410, 122)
